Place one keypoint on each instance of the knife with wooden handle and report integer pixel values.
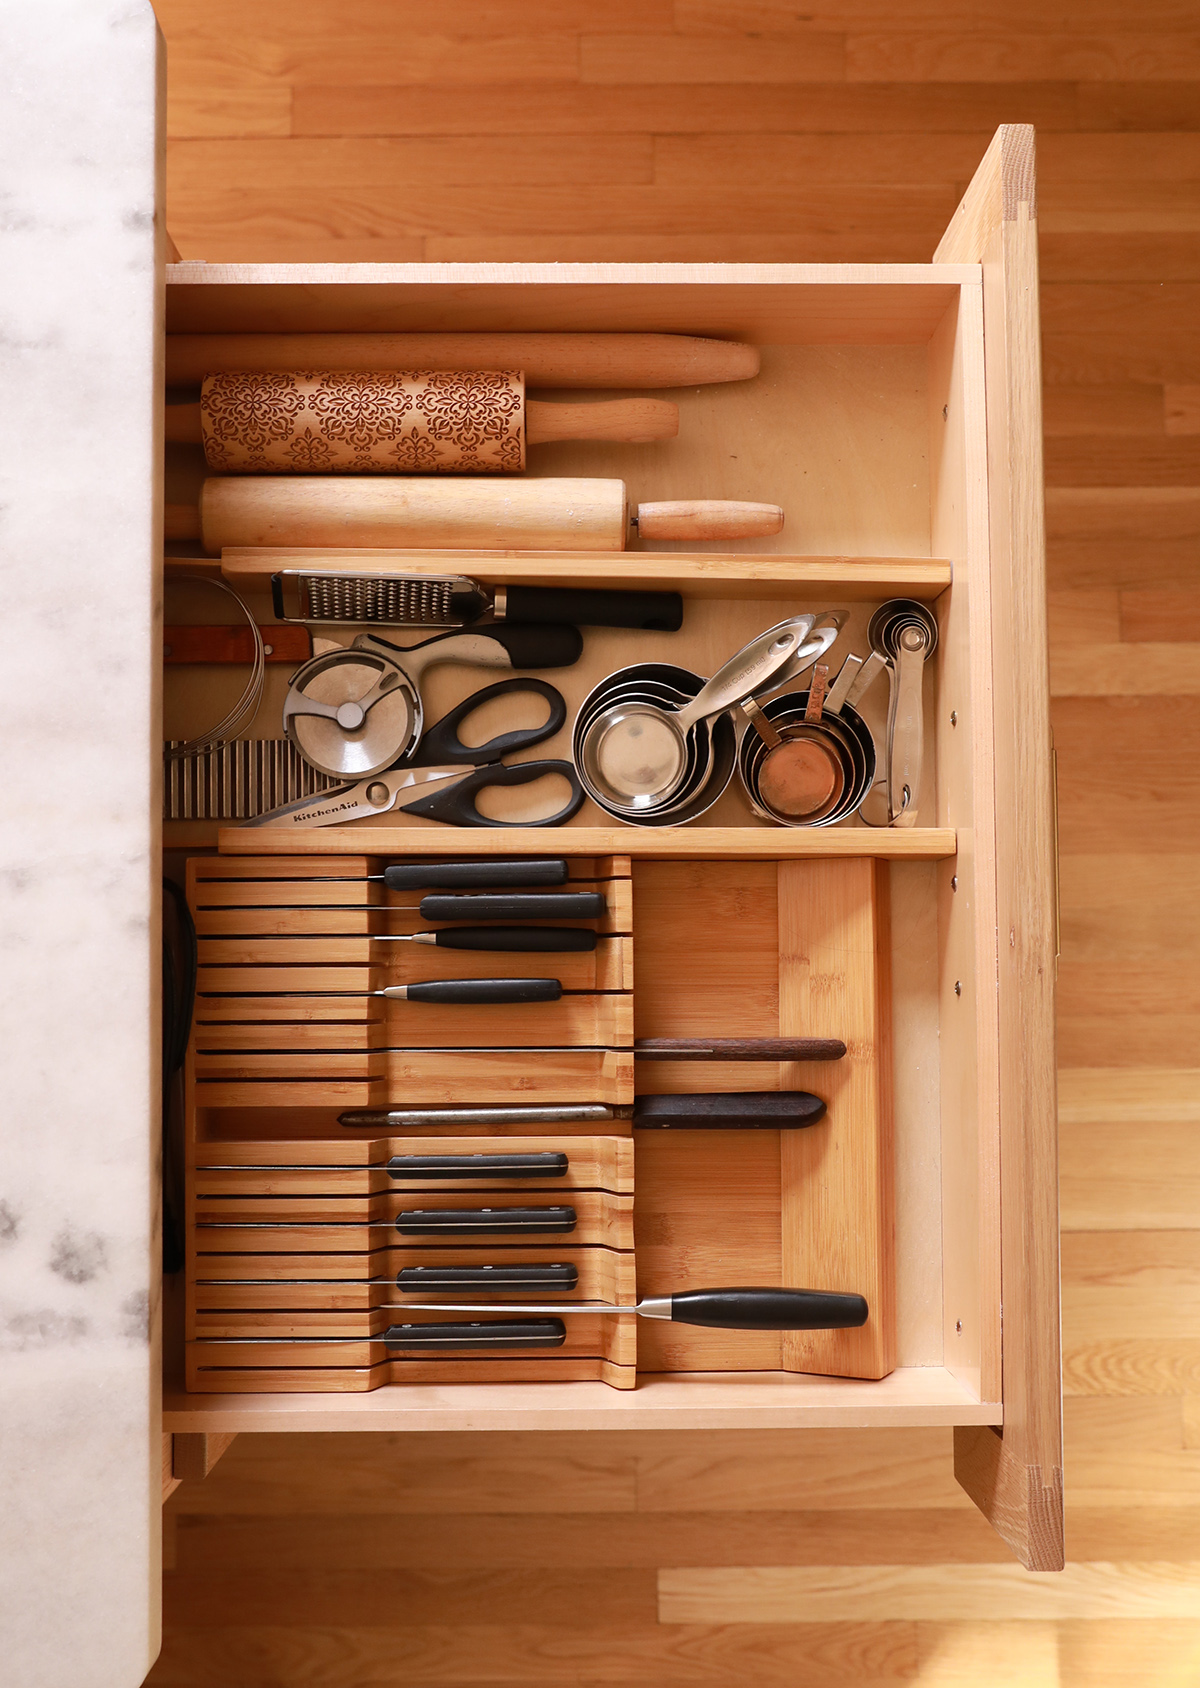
(739, 1049)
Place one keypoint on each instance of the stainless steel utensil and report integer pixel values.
(354, 711)
(904, 633)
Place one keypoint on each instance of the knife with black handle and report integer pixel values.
(485, 875)
(777, 1110)
(545, 940)
(477, 991)
(544, 1163)
(746, 1307)
(563, 905)
(485, 1221)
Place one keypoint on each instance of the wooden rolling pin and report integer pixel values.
(473, 421)
(549, 360)
(488, 514)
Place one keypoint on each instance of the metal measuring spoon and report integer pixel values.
(905, 633)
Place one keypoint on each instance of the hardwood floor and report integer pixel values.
(743, 130)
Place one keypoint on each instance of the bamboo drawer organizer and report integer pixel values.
(896, 419)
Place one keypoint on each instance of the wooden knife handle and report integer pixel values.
(548, 360)
(739, 1049)
(204, 643)
(712, 518)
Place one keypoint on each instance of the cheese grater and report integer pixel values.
(454, 600)
(237, 781)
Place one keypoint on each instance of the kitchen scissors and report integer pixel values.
(440, 756)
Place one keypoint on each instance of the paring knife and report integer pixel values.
(438, 990)
(739, 1049)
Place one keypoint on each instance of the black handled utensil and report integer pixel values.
(399, 600)
(778, 1110)
(561, 905)
(485, 1221)
(554, 940)
(742, 1308)
(748, 1308)
(545, 1163)
(486, 874)
(739, 1049)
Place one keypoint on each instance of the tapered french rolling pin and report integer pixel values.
(485, 513)
(394, 422)
(547, 360)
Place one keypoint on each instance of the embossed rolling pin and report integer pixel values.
(548, 360)
(475, 422)
(485, 514)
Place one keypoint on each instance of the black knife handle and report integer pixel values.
(769, 1309)
(485, 990)
(485, 1221)
(653, 612)
(546, 1163)
(487, 1280)
(554, 940)
(485, 875)
(565, 905)
(486, 1333)
(739, 1110)
(540, 645)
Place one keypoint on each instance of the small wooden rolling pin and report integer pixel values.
(548, 360)
(488, 514)
(474, 421)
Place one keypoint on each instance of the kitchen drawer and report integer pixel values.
(897, 420)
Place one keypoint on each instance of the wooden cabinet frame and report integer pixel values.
(992, 845)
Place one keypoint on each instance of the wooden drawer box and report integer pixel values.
(897, 420)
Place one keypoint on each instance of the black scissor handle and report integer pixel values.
(455, 804)
(441, 744)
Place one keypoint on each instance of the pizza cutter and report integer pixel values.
(352, 711)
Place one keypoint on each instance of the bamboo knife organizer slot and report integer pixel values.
(293, 1240)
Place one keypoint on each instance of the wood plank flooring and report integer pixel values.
(743, 130)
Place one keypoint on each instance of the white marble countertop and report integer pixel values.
(80, 320)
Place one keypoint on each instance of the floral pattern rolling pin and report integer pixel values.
(395, 422)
